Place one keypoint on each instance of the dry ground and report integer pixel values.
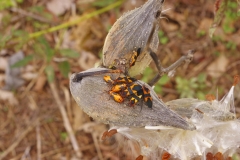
(31, 125)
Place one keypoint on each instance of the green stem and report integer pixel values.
(76, 21)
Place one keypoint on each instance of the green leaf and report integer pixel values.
(164, 80)
(158, 89)
(4, 39)
(102, 3)
(69, 53)
(22, 62)
(46, 48)
(147, 74)
(202, 78)
(63, 135)
(164, 40)
(200, 95)
(50, 73)
(36, 9)
(64, 68)
(218, 16)
(19, 33)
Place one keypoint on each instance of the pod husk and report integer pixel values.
(135, 29)
(91, 94)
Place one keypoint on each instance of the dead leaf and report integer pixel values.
(29, 76)
(32, 103)
(169, 27)
(8, 96)
(58, 7)
(204, 25)
(41, 81)
(218, 67)
(3, 63)
(87, 60)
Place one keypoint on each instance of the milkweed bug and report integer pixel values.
(134, 57)
(119, 80)
(108, 79)
(133, 89)
(147, 97)
(117, 97)
(125, 79)
(134, 99)
(118, 87)
(134, 92)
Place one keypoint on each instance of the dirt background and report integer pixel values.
(31, 124)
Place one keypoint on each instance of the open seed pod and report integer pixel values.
(216, 135)
(91, 94)
(135, 29)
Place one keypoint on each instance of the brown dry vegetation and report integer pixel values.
(31, 124)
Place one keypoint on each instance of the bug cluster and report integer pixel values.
(124, 87)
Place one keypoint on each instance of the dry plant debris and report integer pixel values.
(31, 125)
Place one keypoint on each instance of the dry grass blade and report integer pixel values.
(67, 124)
(20, 138)
(39, 149)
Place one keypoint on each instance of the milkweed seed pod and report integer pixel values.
(135, 29)
(91, 95)
(217, 134)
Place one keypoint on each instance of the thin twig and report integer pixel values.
(99, 153)
(41, 70)
(161, 71)
(67, 125)
(29, 14)
(38, 142)
(55, 151)
(26, 153)
(68, 103)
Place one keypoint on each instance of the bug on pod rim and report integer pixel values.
(127, 89)
(134, 57)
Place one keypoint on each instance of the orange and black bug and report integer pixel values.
(108, 79)
(125, 79)
(134, 99)
(117, 97)
(134, 92)
(119, 80)
(118, 87)
(133, 89)
(134, 57)
(147, 97)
